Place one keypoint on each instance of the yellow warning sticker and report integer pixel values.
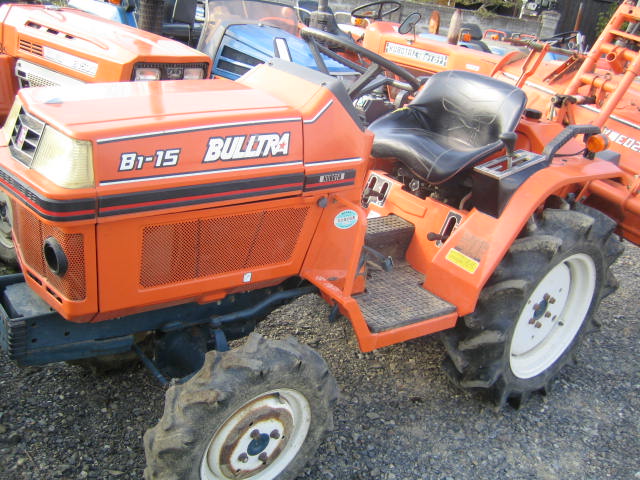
(461, 260)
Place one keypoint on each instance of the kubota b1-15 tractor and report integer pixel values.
(179, 213)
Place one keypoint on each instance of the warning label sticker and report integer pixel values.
(463, 261)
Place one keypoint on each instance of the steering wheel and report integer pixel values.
(370, 78)
(376, 10)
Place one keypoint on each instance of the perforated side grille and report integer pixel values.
(31, 80)
(31, 233)
(203, 248)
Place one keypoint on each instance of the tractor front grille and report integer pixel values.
(25, 137)
(31, 75)
(233, 63)
(30, 234)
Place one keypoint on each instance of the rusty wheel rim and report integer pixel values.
(259, 439)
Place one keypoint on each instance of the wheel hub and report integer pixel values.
(259, 439)
(552, 316)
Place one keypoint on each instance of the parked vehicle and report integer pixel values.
(181, 213)
(181, 20)
(46, 46)
(240, 35)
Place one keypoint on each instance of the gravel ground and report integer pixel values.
(398, 416)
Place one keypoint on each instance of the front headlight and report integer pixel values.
(65, 161)
(147, 74)
(193, 73)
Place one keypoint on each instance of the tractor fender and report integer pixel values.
(464, 263)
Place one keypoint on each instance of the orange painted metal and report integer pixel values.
(81, 46)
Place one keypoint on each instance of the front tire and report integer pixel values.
(258, 413)
(536, 307)
(7, 248)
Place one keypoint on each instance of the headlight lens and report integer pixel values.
(147, 73)
(63, 160)
(193, 73)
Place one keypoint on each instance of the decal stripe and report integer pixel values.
(215, 126)
(88, 208)
(191, 195)
(65, 210)
(203, 172)
(319, 114)
(333, 162)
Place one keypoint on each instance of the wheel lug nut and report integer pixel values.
(243, 457)
(532, 321)
(263, 457)
(275, 434)
(537, 307)
(552, 300)
(255, 434)
(546, 297)
(547, 314)
(538, 325)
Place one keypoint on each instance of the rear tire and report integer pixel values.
(258, 413)
(536, 307)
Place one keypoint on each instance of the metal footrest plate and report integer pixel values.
(395, 299)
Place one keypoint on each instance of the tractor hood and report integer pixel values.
(140, 146)
(164, 136)
(95, 111)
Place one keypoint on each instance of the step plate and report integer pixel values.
(396, 299)
(389, 235)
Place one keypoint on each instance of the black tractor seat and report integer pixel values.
(455, 121)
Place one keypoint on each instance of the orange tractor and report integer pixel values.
(167, 218)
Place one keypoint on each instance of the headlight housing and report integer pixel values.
(146, 74)
(169, 71)
(194, 73)
(65, 161)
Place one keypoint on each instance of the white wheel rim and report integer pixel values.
(6, 221)
(259, 439)
(552, 316)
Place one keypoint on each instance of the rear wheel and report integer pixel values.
(537, 306)
(258, 413)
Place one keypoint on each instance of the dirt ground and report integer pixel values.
(398, 417)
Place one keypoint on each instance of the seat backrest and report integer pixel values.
(474, 109)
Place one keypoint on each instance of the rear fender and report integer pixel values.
(469, 257)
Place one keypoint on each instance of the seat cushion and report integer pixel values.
(431, 156)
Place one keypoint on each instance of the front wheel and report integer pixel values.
(7, 248)
(255, 413)
(537, 306)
